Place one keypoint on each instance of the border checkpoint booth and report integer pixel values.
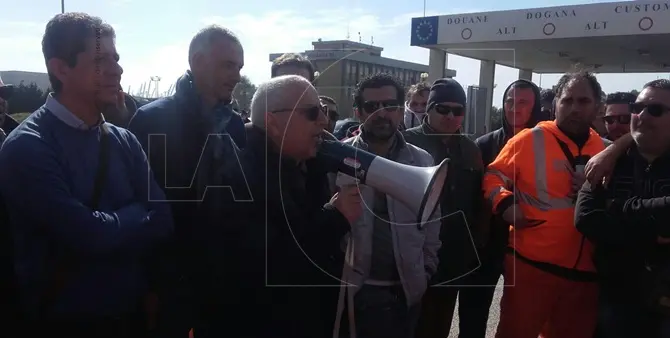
(615, 37)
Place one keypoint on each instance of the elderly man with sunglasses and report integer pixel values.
(441, 135)
(274, 255)
(628, 220)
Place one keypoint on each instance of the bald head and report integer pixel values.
(284, 92)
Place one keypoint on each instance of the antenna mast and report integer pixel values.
(360, 39)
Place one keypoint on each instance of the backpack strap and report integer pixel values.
(63, 267)
(566, 151)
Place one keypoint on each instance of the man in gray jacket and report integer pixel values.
(390, 258)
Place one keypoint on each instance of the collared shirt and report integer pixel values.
(65, 115)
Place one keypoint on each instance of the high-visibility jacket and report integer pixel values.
(533, 171)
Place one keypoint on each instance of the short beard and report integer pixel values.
(372, 137)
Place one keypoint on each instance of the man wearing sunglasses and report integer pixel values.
(275, 255)
(392, 258)
(629, 223)
(440, 135)
(618, 114)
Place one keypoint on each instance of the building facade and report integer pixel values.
(342, 64)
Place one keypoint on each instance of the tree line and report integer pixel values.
(27, 98)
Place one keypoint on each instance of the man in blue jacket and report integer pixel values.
(81, 206)
(199, 130)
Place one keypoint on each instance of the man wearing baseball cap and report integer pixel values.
(440, 134)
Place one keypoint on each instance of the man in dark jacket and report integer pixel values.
(274, 253)
(200, 132)
(522, 108)
(440, 135)
(628, 221)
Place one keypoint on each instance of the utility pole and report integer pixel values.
(62, 6)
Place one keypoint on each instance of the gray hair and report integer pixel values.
(270, 96)
(204, 38)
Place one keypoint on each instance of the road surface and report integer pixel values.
(494, 315)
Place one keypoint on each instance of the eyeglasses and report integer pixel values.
(311, 113)
(654, 109)
(388, 105)
(445, 110)
(620, 119)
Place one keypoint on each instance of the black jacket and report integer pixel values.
(462, 202)
(623, 222)
(185, 160)
(490, 145)
(275, 256)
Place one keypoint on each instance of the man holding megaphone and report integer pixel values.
(391, 254)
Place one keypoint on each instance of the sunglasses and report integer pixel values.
(311, 113)
(445, 110)
(388, 105)
(653, 109)
(620, 119)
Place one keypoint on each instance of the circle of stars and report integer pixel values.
(424, 30)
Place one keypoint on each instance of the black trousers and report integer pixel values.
(382, 312)
(476, 292)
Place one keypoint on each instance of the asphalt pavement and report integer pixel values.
(494, 314)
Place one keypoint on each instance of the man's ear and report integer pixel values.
(58, 68)
(271, 125)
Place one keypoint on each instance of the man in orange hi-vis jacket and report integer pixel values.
(532, 184)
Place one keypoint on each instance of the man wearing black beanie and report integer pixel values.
(441, 136)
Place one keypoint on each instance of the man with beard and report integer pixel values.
(199, 130)
(617, 114)
(628, 223)
(276, 251)
(392, 258)
(440, 135)
(532, 185)
(7, 123)
(415, 105)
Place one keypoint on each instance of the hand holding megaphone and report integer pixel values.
(348, 202)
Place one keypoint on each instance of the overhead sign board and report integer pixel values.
(603, 19)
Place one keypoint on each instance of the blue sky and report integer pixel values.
(153, 36)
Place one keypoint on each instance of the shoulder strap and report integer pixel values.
(567, 152)
(103, 167)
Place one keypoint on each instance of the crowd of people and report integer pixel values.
(186, 217)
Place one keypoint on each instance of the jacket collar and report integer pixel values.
(399, 150)
(264, 150)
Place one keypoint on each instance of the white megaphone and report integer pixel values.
(419, 188)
